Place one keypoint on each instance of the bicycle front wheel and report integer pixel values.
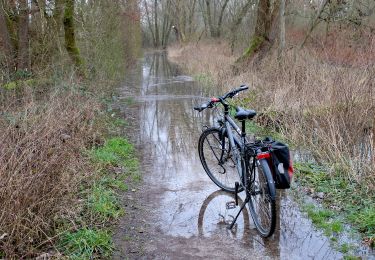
(216, 157)
(262, 203)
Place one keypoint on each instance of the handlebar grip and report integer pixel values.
(203, 106)
(243, 87)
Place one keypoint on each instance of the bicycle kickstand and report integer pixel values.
(239, 212)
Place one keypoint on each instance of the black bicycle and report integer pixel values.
(235, 164)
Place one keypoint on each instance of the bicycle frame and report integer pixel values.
(236, 143)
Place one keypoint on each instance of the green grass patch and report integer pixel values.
(355, 204)
(86, 244)
(364, 220)
(323, 219)
(345, 248)
(114, 152)
(103, 202)
(118, 152)
(114, 183)
(351, 257)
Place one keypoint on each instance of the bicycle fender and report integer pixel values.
(270, 180)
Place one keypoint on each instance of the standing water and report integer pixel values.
(185, 213)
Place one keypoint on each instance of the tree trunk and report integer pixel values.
(157, 39)
(191, 17)
(149, 22)
(23, 36)
(220, 22)
(282, 28)
(5, 40)
(264, 36)
(237, 21)
(209, 19)
(315, 21)
(70, 40)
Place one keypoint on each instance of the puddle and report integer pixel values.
(187, 207)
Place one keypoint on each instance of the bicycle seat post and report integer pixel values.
(243, 128)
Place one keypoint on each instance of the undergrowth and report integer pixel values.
(117, 166)
(86, 244)
(341, 197)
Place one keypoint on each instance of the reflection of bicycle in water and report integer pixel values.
(217, 212)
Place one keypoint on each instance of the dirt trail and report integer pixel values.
(178, 213)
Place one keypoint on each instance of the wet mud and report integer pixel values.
(178, 213)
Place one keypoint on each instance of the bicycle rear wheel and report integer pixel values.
(217, 159)
(262, 203)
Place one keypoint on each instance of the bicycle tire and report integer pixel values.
(262, 203)
(223, 174)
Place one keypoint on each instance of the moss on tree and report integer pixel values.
(254, 45)
(70, 41)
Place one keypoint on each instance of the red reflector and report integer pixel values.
(215, 99)
(263, 156)
(290, 169)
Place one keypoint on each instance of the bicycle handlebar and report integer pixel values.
(221, 99)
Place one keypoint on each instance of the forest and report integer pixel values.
(309, 63)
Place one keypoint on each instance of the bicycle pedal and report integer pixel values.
(231, 205)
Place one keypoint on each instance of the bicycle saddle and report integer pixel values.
(243, 114)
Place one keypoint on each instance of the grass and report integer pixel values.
(86, 243)
(351, 200)
(104, 203)
(323, 219)
(118, 152)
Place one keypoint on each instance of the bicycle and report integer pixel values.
(226, 147)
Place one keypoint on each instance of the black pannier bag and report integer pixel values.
(281, 165)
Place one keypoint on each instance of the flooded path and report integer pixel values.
(179, 213)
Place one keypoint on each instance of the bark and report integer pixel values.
(264, 35)
(23, 36)
(263, 23)
(70, 40)
(132, 31)
(282, 28)
(5, 40)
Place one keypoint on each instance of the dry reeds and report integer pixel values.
(327, 108)
(41, 166)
